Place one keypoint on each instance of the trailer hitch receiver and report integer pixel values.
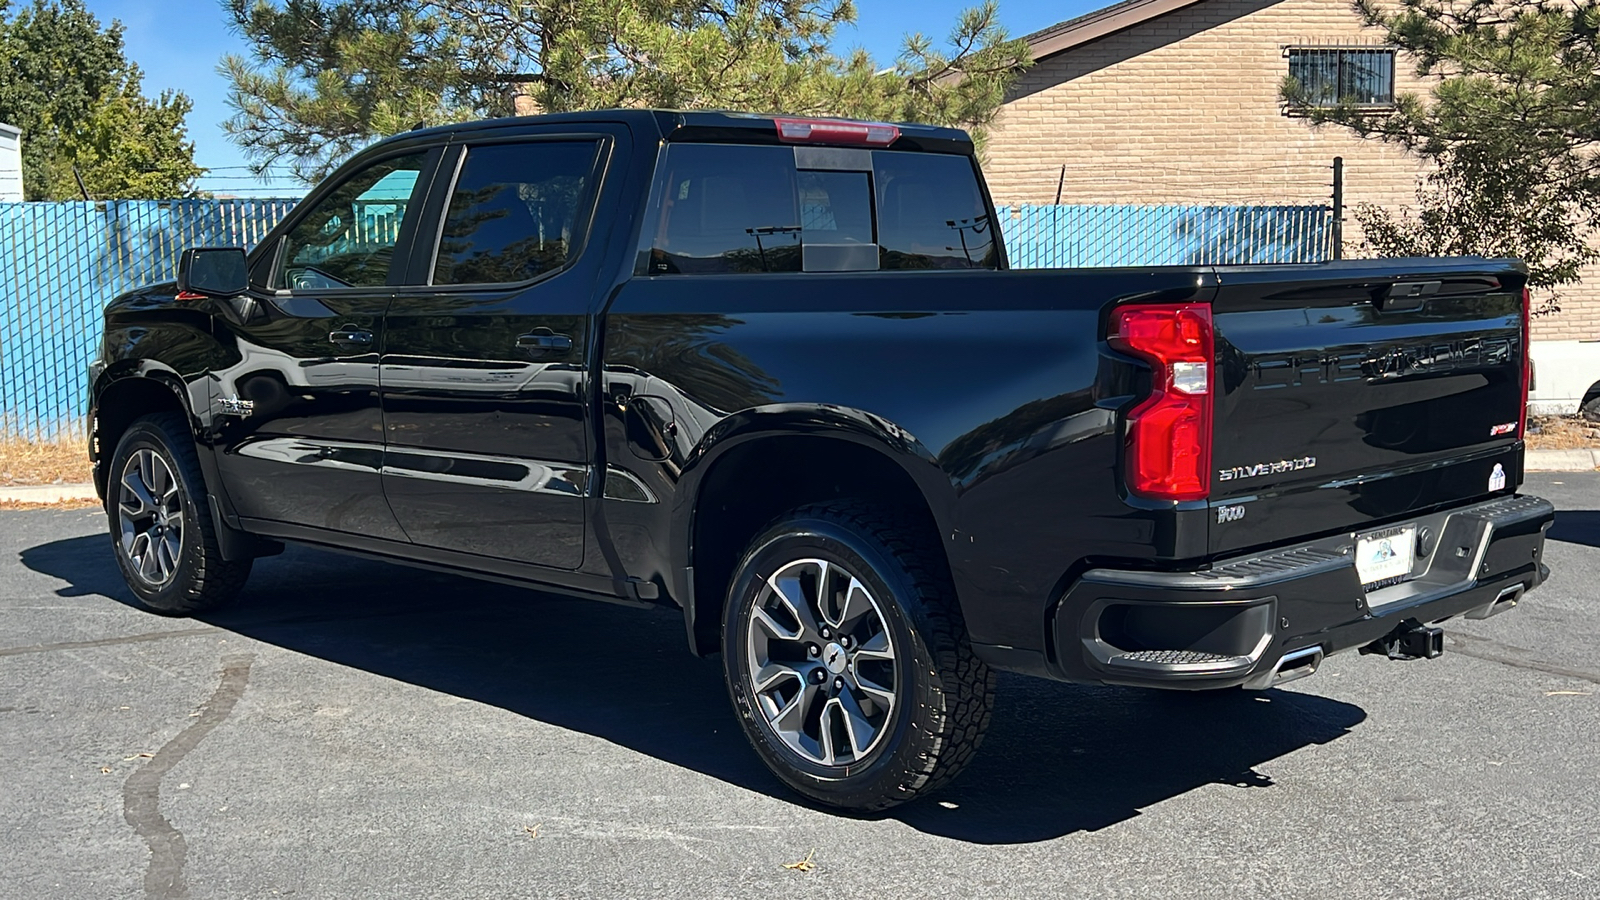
(1409, 640)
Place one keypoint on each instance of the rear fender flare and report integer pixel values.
(827, 421)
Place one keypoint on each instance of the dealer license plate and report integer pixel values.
(1385, 557)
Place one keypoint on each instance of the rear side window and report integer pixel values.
(729, 208)
(514, 212)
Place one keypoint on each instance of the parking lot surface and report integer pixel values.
(353, 729)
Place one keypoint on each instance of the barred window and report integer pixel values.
(1331, 76)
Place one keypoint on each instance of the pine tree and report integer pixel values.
(1509, 130)
(325, 77)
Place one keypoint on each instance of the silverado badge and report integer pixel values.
(1267, 468)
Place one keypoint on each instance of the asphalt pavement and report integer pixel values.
(353, 729)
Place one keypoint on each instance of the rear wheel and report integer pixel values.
(847, 659)
(1590, 409)
(161, 528)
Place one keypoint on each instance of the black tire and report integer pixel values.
(198, 578)
(943, 694)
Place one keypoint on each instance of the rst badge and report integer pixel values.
(1227, 514)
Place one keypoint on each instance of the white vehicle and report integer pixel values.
(1566, 378)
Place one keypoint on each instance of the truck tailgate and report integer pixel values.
(1347, 396)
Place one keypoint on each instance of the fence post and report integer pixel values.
(1338, 207)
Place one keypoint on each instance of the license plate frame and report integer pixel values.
(1386, 557)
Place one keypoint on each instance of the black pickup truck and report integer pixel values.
(774, 372)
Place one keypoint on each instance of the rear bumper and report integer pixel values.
(1236, 622)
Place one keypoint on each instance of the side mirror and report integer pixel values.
(212, 272)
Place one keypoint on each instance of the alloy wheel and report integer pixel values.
(150, 517)
(821, 662)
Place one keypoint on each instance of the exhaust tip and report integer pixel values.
(1506, 599)
(1292, 666)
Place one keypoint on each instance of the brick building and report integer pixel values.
(1177, 101)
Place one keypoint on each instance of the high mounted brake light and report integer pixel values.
(1169, 433)
(835, 131)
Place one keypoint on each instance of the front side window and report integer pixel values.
(514, 212)
(1325, 77)
(348, 238)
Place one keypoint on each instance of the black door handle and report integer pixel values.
(350, 337)
(544, 341)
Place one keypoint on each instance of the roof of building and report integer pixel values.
(1066, 35)
(12, 130)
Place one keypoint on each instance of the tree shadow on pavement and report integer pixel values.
(1058, 759)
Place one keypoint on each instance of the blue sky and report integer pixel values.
(178, 44)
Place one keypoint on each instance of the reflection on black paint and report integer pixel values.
(1024, 433)
(688, 352)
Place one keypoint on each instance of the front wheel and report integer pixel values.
(847, 659)
(161, 528)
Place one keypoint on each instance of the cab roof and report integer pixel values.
(698, 125)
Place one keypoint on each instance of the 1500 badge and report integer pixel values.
(1267, 468)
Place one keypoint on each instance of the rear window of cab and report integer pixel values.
(721, 209)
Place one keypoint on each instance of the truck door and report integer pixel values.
(300, 426)
(483, 376)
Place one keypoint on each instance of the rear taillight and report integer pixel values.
(1527, 362)
(1169, 434)
(837, 131)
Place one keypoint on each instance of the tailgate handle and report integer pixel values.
(1404, 296)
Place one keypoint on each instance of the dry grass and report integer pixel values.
(64, 461)
(59, 504)
(1562, 433)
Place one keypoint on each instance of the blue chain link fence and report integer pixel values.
(60, 263)
(1051, 237)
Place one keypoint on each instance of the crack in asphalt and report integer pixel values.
(1505, 654)
(141, 793)
(106, 642)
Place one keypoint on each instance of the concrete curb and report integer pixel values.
(48, 493)
(1562, 460)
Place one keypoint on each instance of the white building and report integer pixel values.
(10, 163)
